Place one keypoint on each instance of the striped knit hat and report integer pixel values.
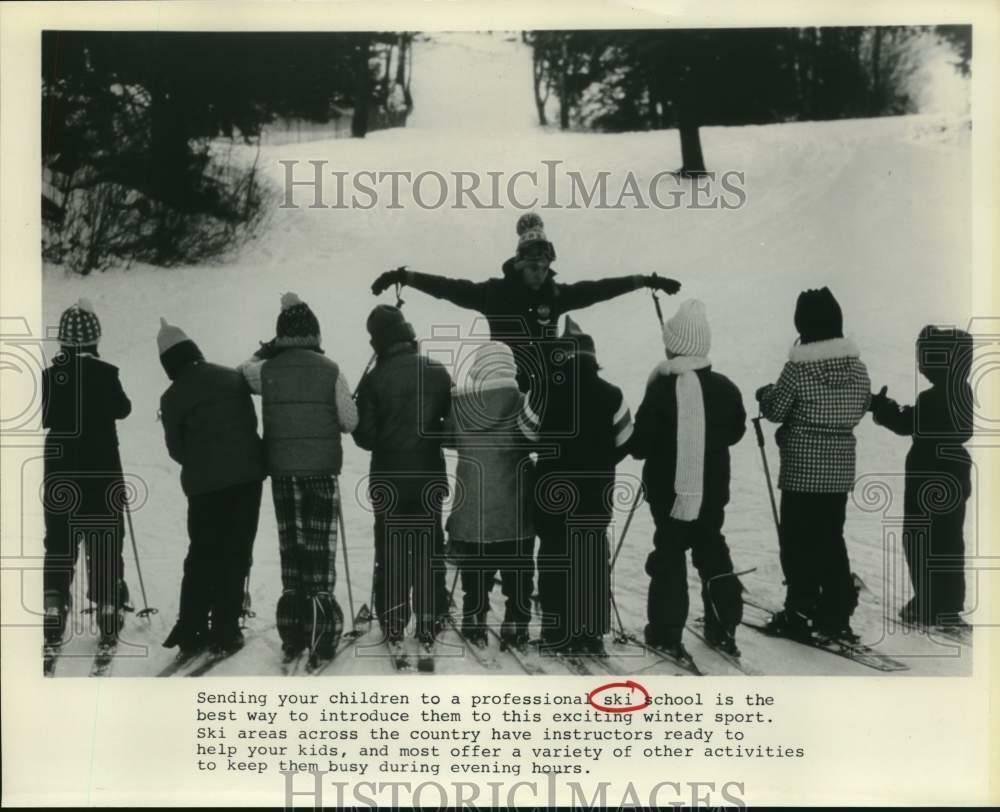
(687, 332)
(79, 325)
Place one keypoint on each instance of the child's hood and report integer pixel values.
(835, 362)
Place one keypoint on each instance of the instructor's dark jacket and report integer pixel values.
(521, 317)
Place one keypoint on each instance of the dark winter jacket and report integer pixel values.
(82, 397)
(584, 431)
(655, 437)
(495, 474)
(211, 428)
(306, 407)
(940, 424)
(519, 316)
(402, 405)
(822, 393)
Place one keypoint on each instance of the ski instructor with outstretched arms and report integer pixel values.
(523, 307)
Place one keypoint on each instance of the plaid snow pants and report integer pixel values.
(306, 508)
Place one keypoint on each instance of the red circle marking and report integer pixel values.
(631, 685)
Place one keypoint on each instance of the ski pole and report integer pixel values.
(620, 635)
(712, 579)
(343, 544)
(247, 610)
(146, 611)
(767, 474)
(628, 522)
(371, 361)
(656, 304)
(361, 380)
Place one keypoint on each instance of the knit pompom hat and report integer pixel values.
(176, 349)
(297, 325)
(387, 326)
(79, 325)
(687, 331)
(531, 237)
(818, 316)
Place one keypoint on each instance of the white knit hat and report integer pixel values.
(687, 333)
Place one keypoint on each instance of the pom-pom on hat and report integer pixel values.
(297, 325)
(531, 237)
(687, 331)
(79, 325)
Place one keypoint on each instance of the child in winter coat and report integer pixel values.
(306, 405)
(823, 392)
(940, 423)
(490, 527)
(584, 429)
(402, 405)
(210, 427)
(688, 419)
(84, 489)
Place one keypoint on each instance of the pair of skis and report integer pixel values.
(203, 660)
(849, 649)
(401, 659)
(685, 663)
(960, 634)
(517, 653)
(312, 664)
(100, 666)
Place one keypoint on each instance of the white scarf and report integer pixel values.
(689, 473)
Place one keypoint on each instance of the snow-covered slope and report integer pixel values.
(876, 209)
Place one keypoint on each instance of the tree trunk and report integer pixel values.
(387, 77)
(402, 77)
(688, 121)
(407, 96)
(362, 87)
(401, 61)
(692, 159)
(876, 100)
(168, 147)
(538, 75)
(563, 93)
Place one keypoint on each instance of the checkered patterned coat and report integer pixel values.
(822, 394)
